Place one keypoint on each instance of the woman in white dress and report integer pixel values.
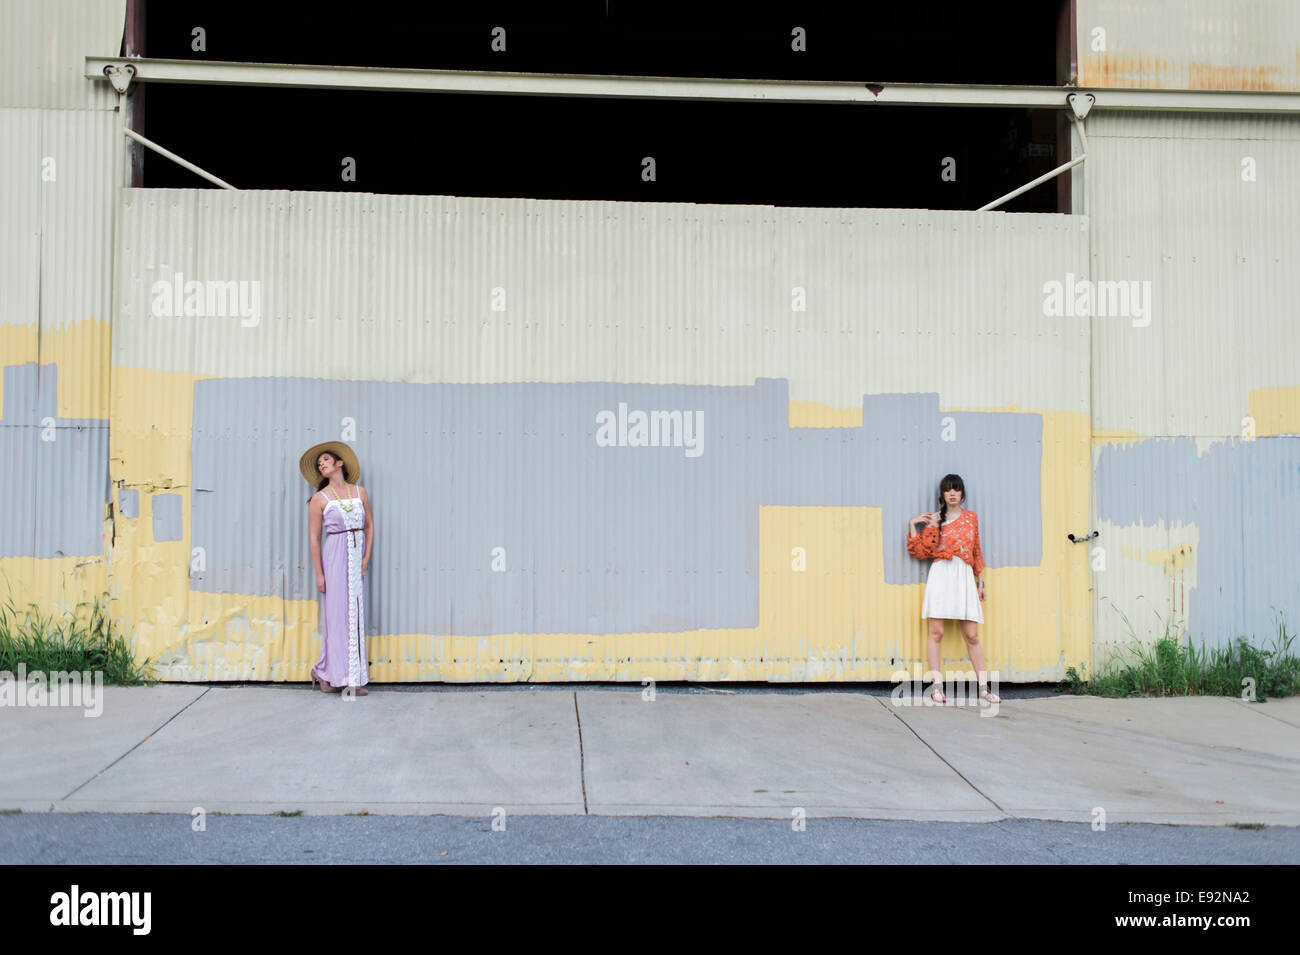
(954, 589)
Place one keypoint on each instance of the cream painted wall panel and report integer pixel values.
(344, 279)
(1219, 252)
(56, 248)
(77, 212)
(20, 239)
(43, 46)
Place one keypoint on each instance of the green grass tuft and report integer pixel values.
(82, 639)
(1173, 666)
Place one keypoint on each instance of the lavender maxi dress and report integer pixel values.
(343, 608)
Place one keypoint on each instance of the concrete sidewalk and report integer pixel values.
(550, 749)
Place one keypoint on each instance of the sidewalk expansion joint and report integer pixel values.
(892, 710)
(1276, 719)
(582, 759)
(139, 744)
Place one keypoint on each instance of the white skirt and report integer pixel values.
(950, 592)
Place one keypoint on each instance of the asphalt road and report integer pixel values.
(152, 838)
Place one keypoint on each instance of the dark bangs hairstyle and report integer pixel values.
(324, 480)
(950, 482)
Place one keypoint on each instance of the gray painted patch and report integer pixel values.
(128, 502)
(57, 488)
(167, 523)
(1238, 495)
(597, 539)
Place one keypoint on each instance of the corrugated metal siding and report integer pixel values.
(1152, 124)
(332, 266)
(43, 47)
(476, 431)
(57, 136)
(1220, 253)
(20, 176)
(77, 231)
(1190, 44)
(474, 424)
(55, 262)
(58, 198)
(1186, 503)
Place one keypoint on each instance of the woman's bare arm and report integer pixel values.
(314, 511)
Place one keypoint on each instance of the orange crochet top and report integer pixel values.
(961, 538)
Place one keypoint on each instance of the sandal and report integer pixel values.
(987, 694)
(941, 698)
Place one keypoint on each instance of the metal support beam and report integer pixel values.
(177, 159)
(1029, 185)
(671, 87)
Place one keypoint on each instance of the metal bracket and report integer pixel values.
(1080, 540)
(1081, 103)
(120, 75)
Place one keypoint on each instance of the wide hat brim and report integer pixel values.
(307, 463)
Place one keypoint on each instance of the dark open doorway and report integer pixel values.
(585, 148)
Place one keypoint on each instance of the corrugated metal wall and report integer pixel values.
(1196, 415)
(1189, 44)
(823, 429)
(57, 141)
(509, 544)
(45, 44)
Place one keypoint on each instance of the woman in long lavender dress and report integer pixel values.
(342, 511)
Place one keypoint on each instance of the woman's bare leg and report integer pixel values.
(934, 639)
(970, 631)
(932, 646)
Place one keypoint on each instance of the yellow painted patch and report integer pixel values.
(1174, 561)
(150, 451)
(811, 414)
(18, 346)
(80, 351)
(54, 584)
(151, 430)
(1117, 437)
(1275, 410)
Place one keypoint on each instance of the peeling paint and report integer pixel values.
(1190, 44)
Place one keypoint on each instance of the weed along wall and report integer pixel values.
(602, 440)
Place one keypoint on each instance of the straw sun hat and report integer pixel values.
(307, 463)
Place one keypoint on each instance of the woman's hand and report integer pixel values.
(365, 562)
(932, 518)
(320, 582)
(980, 587)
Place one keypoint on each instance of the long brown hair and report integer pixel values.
(324, 480)
(950, 482)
